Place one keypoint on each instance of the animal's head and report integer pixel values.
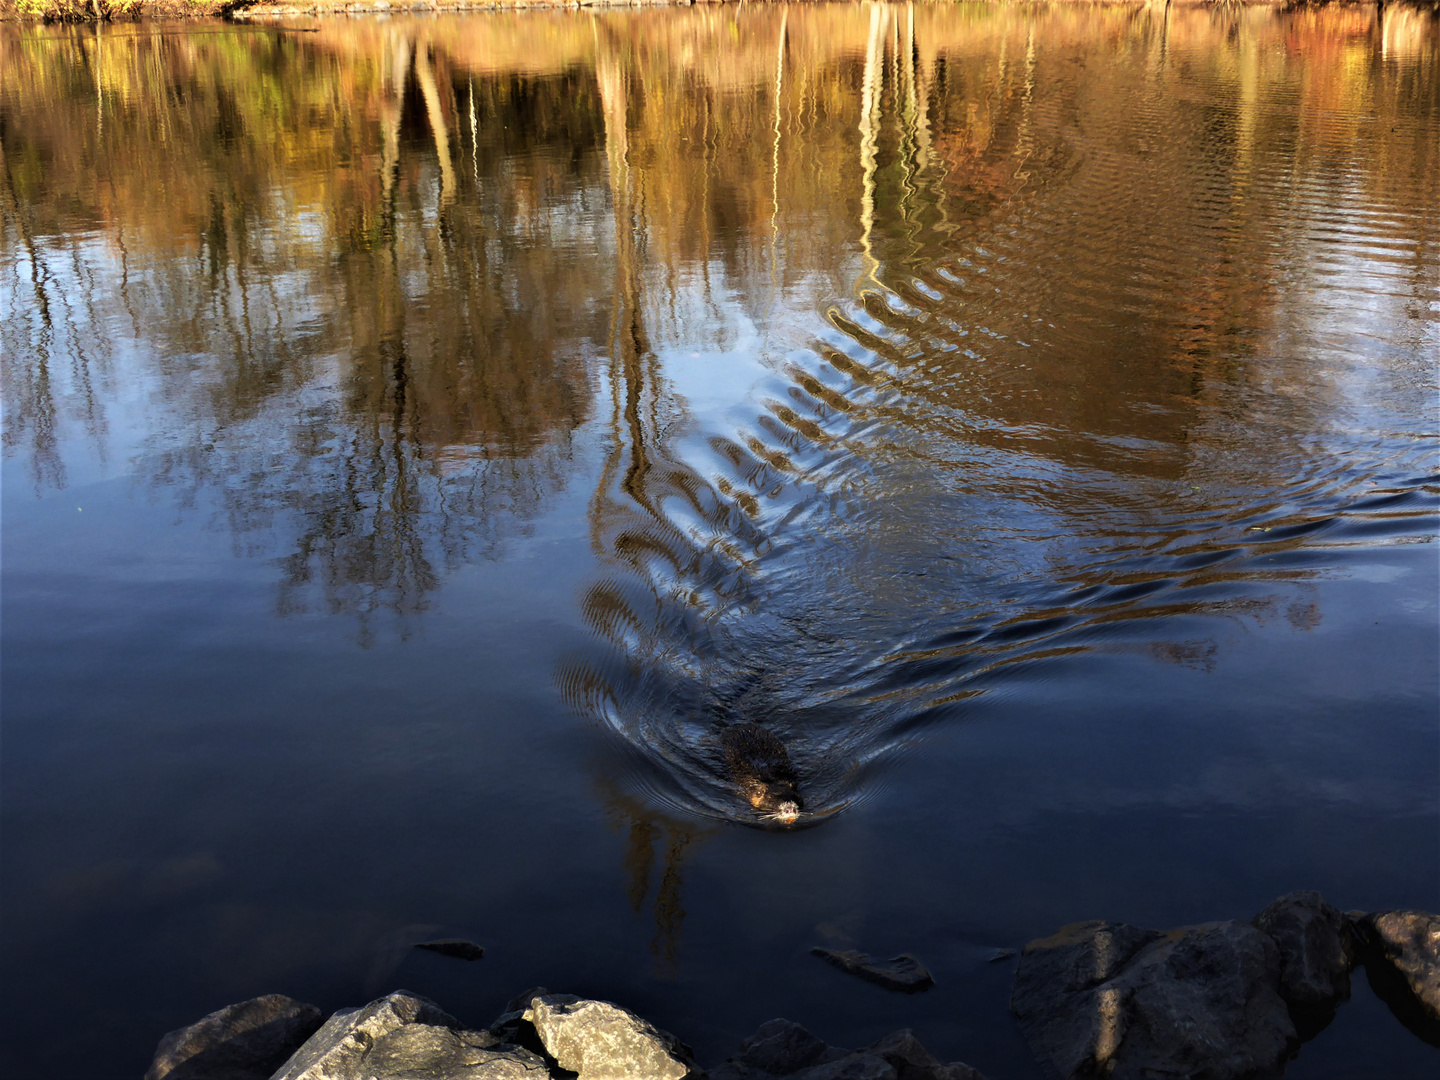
(781, 803)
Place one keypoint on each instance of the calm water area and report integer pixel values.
(422, 434)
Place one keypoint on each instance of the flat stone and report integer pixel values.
(1106, 999)
(338, 1050)
(1401, 951)
(246, 1041)
(601, 1041)
(454, 947)
(904, 972)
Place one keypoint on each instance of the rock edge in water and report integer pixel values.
(1223, 1000)
(245, 1041)
(540, 1036)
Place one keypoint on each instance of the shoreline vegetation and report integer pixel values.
(97, 11)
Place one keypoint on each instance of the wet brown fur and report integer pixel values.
(760, 766)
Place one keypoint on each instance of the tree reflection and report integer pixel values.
(1033, 345)
(383, 376)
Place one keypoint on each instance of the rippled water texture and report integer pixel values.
(422, 436)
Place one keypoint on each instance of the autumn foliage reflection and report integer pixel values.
(382, 277)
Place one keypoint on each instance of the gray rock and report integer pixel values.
(903, 972)
(855, 1066)
(1106, 999)
(1401, 950)
(247, 1041)
(338, 1050)
(781, 1048)
(453, 947)
(1317, 954)
(430, 1052)
(601, 1041)
(911, 1061)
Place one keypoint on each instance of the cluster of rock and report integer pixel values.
(1222, 999)
(540, 1036)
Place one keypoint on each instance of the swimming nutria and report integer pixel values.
(759, 764)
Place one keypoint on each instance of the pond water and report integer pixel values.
(422, 435)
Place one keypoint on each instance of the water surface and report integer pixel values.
(421, 435)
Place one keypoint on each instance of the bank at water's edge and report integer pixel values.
(82, 11)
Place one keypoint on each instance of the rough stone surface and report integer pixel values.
(1106, 999)
(431, 1052)
(338, 1050)
(1317, 954)
(247, 1041)
(781, 1048)
(856, 1066)
(911, 1061)
(453, 947)
(601, 1041)
(904, 972)
(1401, 950)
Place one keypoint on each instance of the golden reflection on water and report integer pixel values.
(1006, 274)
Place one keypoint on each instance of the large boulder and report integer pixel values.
(602, 1041)
(403, 1036)
(1401, 951)
(1317, 954)
(1107, 999)
(246, 1041)
(781, 1048)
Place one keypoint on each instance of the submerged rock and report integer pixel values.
(1401, 951)
(246, 1041)
(782, 1048)
(904, 972)
(1115, 1000)
(454, 947)
(602, 1041)
(1317, 954)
